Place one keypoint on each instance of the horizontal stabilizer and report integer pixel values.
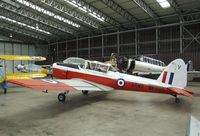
(181, 91)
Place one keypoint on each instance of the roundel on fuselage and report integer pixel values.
(121, 82)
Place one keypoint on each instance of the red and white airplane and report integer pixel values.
(85, 75)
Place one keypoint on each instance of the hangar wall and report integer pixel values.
(16, 48)
(165, 42)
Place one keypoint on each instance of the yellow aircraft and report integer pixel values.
(9, 76)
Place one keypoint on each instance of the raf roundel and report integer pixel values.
(121, 82)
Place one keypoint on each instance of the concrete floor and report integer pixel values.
(24, 112)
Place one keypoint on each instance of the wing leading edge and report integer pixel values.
(60, 85)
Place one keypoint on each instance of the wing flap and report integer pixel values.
(60, 85)
(181, 91)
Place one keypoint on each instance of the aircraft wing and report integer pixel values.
(18, 57)
(13, 76)
(181, 91)
(61, 85)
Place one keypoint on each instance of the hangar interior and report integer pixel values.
(93, 29)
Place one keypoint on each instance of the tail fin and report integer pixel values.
(175, 74)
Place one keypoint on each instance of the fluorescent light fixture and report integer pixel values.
(25, 25)
(101, 19)
(47, 12)
(72, 3)
(163, 3)
(84, 9)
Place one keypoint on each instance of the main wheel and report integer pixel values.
(61, 97)
(85, 92)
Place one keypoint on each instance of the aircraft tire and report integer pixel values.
(61, 97)
(85, 92)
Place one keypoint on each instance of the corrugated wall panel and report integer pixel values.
(24, 51)
(17, 51)
(9, 51)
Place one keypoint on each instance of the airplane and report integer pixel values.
(33, 68)
(78, 74)
(147, 67)
(4, 76)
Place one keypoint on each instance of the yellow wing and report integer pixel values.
(18, 57)
(11, 76)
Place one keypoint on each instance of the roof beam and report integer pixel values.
(17, 37)
(17, 21)
(146, 8)
(117, 8)
(21, 31)
(39, 19)
(175, 6)
(48, 14)
(62, 8)
(92, 9)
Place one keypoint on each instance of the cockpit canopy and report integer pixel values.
(87, 64)
(98, 66)
(74, 61)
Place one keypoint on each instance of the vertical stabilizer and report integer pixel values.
(175, 74)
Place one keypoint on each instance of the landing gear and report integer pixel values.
(177, 100)
(61, 97)
(5, 90)
(85, 92)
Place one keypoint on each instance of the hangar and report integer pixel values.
(92, 30)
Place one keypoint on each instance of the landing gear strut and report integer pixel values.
(85, 92)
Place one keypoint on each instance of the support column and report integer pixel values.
(136, 41)
(89, 46)
(157, 39)
(118, 47)
(181, 37)
(76, 46)
(102, 44)
(57, 51)
(66, 50)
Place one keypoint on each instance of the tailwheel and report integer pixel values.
(85, 92)
(177, 100)
(61, 97)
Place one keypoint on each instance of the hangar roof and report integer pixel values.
(55, 20)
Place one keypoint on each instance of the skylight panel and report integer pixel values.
(86, 10)
(163, 3)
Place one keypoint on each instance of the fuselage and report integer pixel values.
(116, 80)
